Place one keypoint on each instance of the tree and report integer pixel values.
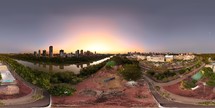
(131, 72)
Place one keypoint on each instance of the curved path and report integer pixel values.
(178, 79)
(27, 101)
(174, 100)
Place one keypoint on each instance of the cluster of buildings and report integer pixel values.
(8, 84)
(163, 57)
(62, 54)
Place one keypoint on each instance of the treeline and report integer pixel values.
(206, 57)
(58, 84)
(58, 60)
(87, 71)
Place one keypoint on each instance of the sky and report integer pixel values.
(107, 26)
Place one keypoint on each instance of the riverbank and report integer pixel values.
(59, 60)
(75, 68)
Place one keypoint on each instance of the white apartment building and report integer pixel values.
(157, 58)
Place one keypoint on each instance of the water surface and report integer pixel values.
(60, 68)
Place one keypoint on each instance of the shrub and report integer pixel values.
(131, 72)
(189, 84)
(61, 90)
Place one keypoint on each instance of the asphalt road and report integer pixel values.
(167, 103)
(171, 104)
(37, 104)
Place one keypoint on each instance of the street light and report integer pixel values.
(204, 86)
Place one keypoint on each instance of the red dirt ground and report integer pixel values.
(23, 90)
(96, 82)
(199, 93)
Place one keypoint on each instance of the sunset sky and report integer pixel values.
(107, 26)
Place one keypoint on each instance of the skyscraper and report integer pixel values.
(44, 53)
(39, 53)
(50, 51)
(82, 52)
(35, 53)
(61, 53)
(77, 53)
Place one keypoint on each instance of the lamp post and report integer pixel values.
(204, 86)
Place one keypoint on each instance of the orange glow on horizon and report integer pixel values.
(95, 35)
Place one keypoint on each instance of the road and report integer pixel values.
(168, 103)
(178, 79)
(38, 104)
(27, 101)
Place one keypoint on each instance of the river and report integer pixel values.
(59, 68)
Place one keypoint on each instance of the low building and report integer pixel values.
(178, 57)
(141, 57)
(184, 57)
(189, 57)
(156, 58)
(169, 58)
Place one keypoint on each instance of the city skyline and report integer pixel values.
(108, 26)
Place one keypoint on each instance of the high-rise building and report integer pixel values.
(50, 51)
(44, 53)
(61, 53)
(35, 53)
(77, 53)
(88, 53)
(39, 53)
(82, 52)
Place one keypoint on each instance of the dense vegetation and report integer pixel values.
(206, 57)
(165, 76)
(210, 75)
(61, 90)
(87, 71)
(51, 81)
(131, 72)
(188, 84)
(131, 69)
(58, 60)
